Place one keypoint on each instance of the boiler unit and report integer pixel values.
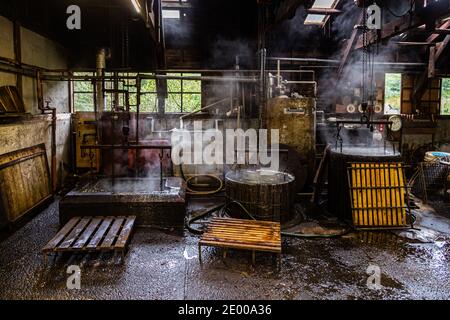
(296, 121)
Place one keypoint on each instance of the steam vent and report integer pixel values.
(256, 150)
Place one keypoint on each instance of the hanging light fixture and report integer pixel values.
(136, 5)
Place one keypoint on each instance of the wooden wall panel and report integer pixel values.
(24, 181)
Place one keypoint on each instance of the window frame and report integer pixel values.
(154, 93)
(401, 94)
(182, 92)
(440, 115)
(75, 92)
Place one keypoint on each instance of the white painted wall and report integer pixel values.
(45, 53)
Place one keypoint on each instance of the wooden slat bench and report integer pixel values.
(250, 235)
(92, 234)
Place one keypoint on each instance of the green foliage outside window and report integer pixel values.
(83, 94)
(445, 97)
(183, 95)
(392, 93)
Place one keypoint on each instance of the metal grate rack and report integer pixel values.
(379, 195)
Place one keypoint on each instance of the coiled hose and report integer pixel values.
(190, 184)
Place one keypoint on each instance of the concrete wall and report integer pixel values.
(39, 51)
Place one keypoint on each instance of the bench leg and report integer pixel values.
(200, 254)
(253, 257)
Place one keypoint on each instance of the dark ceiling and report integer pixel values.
(104, 23)
(215, 30)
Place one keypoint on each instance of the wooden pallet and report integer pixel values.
(92, 234)
(250, 235)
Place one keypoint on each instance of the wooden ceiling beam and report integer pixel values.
(349, 47)
(440, 48)
(408, 43)
(424, 16)
(437, 33)
(326, 11)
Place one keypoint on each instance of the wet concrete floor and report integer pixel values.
(413, 265)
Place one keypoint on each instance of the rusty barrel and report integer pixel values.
(267, 195)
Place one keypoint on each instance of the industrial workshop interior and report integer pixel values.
(225, 150)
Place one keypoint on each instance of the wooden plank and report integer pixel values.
(254, 243)
(436, 34)
(125, 233)
(251, 237)
(241, 231)
(74, 234)
(61, 234)
(325, 11)
(240, 246)
(100, 233)
(247, 225)
(246, 221)
(349, 47)
(243, 243)
(243, 234)
(441, 48)
(81, 242)
(22, 181)
(243, 228)
(112, 233)
(230, 232)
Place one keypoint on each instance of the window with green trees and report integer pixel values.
(392, 93)
(83, 94)
(183, 95)
(445, 97)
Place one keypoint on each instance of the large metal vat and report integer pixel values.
(295, 119)
(267, 195)
(155, 203)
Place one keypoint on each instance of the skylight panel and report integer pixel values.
(315, 19)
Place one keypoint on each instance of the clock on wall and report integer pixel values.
(396, 123)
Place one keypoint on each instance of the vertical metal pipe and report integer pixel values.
(262, 89)
(100, 69)
(39, 91)
(138, 106)
(53, 170)
(278, 74)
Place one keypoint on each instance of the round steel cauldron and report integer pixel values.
(267, 195)
(338, 188)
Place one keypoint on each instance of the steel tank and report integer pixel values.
(267, 195)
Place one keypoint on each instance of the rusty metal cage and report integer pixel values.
(431, 178)
(379, 195)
